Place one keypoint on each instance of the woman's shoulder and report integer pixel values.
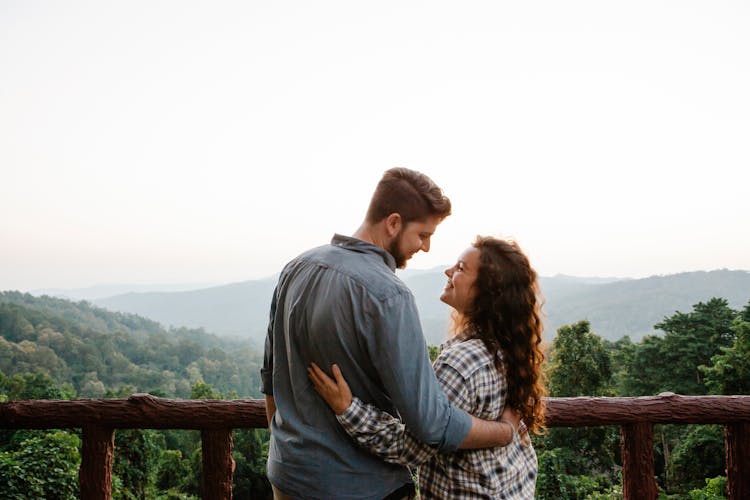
(466, 356)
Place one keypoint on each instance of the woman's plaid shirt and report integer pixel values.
(467, 372)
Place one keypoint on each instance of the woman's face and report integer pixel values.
(459, 292)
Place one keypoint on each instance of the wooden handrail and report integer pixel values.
(143, 411)
(217, 418)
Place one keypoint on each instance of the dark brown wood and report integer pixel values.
(139, 411)
(215, 417)
(97, 453)
(218, 464)
(662, 409)
(638, 481)
(737, 439)
(144, 411)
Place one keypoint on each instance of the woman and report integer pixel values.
(492, 360)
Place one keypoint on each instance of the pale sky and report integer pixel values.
(211, 142)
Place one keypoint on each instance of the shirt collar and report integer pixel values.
(362, 246)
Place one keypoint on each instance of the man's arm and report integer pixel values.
(266, 373)
(270, 409)
(490, 433)
(374, 429)
(398, 352)
(463, 388)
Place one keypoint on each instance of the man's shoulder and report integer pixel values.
(363, 270)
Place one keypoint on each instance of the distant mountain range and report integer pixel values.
(614, 306)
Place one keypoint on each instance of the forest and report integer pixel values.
(57, 349)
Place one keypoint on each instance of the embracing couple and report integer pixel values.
(351, 397)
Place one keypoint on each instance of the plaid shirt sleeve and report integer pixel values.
(384, 435)
(469, 378)
(455, 384)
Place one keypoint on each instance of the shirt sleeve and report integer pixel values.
(458, 388)
(266, 373)
(399, 354)
(383, 435)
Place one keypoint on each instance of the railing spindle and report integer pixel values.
(638, 482)
(97, 453)
(218, 464)
(737, 441)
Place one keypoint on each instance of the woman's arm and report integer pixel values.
(374, 429)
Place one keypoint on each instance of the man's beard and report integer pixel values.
(395, 250)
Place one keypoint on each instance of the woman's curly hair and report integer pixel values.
(506, 316)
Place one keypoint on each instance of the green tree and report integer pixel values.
(136, 458)
(729, 372)
(34, 386)
(23, 386)
(173, 471)
(42, 466)
(641, 371)
(715, 489)
(690, 341)
(576, 461)
(202, 390)
(250, 452)
(579, 363)
(699, 454)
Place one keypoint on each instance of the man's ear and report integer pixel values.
(393, 225)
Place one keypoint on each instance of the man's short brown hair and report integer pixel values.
(409, 193)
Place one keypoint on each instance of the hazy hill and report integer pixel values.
(103, 291)
(238, 309)
(101, 352)
(632, 307)
(615, 307)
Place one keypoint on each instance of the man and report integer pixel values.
(342, 303)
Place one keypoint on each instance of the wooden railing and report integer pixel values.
(216, 419)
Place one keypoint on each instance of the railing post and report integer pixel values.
(218, 464)
(97, 452)
(737, 441)
(638, 482)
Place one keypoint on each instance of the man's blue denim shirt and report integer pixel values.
(342, 303)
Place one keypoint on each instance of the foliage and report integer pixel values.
(55, 349)
(202, 390)
(434, 352)
(639, 371)
(690, 341)
(136, 457)
(250, 452)
(36, 385)
(42, 466)
(715, 489)
(729, 372)
(579, 364)
(98, 351)
(556, 480)
(173, 471)
(699, 454)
